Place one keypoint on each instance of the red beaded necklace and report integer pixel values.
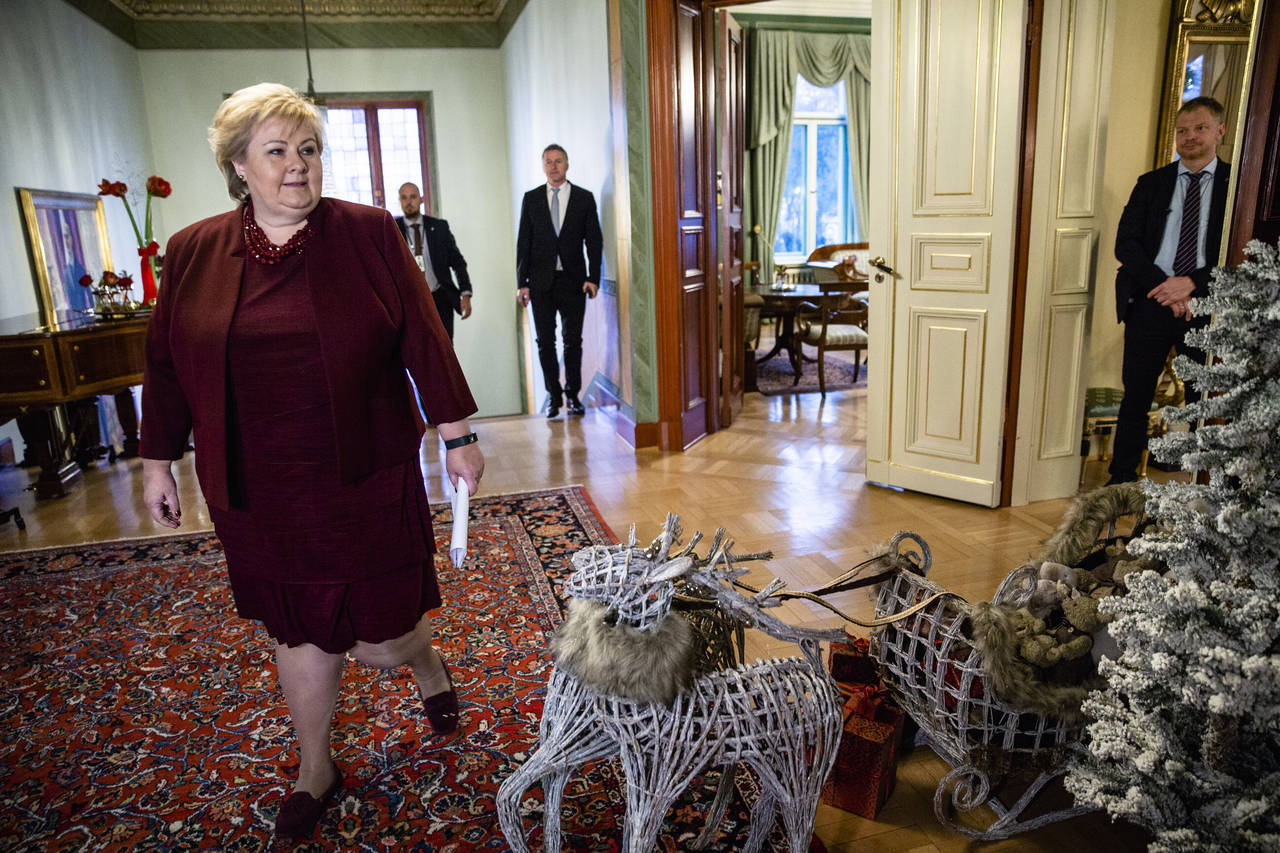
(260, 247)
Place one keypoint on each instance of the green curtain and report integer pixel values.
(774, 58)
(825, 59)
(771, 85)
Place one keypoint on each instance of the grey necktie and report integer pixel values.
(555, 209)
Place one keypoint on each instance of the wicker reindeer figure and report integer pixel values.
(633, 680)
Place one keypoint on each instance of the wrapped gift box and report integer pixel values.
(865, 769)
(866, 763)
(850, 662)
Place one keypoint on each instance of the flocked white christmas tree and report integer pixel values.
(1185, 739)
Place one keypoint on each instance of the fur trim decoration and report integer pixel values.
(1084, 519)
(618, 660)
(999, 633)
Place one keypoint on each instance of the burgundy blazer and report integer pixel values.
(374, 315)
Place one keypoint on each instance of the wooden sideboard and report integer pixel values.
(44, 366)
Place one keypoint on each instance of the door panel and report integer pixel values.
(697, 358)
(944, 371)
(1064, 239)
(731, 134)
(943, 215)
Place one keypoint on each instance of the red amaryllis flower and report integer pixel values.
(148, 249)
(86, 280)
(125, 281)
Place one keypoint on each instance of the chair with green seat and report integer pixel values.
(1101, 409)
(835, 321)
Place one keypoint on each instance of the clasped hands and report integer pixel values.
(1175, 294)
(588, 287)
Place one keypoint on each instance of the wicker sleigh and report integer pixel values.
(936, 675)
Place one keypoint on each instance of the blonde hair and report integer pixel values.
(239, 114)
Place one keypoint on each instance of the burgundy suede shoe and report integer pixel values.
(300, 811)
(442, 708)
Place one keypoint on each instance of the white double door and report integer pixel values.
(944, 216)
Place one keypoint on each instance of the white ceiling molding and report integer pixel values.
(809, 8)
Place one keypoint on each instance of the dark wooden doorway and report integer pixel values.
(694, 223)
(697, 122)
(1256, 212)
(730, 134)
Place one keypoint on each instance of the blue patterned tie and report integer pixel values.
(1184, 260)
(555, 209)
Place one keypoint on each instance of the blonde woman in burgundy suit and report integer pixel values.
(281, 337)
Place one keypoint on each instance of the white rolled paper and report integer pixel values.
(458, 542)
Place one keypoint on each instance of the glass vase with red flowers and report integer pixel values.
(148, 249)
(113, 295)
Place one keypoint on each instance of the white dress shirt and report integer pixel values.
(424, 260)
(1173, 225)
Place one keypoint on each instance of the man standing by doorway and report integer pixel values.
(1167, 244)
(437, 254)
(557, 222)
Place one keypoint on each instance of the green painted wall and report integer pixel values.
(643, 407)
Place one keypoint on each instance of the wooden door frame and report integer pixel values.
(660, 29)
(729, 183)
(1256, 174)
(1022, 242)
(722, 415)
(661, 48)
(661, 21)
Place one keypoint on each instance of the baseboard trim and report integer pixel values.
(637, 435)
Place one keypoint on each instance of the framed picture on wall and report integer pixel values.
(67, 239)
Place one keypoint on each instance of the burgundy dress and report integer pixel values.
(316, 561)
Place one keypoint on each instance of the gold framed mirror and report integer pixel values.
(1208, 49)
(67, 237)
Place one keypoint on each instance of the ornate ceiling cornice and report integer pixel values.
(317, 10)
(276, 24)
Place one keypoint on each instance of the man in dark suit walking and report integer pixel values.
(437, 254)
(1167, 244)
(557, 221)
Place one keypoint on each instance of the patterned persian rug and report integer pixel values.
(774, 376)
(137, 712)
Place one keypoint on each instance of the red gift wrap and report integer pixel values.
(850, 662)
(866, 764)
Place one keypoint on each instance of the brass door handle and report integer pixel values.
(882, 267)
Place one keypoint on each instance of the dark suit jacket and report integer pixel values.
(537, 244)
(374, 317)
(445, 258)
(1142, 228)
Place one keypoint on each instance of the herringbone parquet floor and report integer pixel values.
(787, 477)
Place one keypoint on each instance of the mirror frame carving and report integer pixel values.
(1204, 21)
(33, 201)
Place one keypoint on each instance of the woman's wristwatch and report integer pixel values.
(461, 441)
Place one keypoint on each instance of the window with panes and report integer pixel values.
(372, 147)
(816, 207)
